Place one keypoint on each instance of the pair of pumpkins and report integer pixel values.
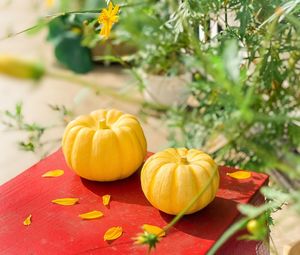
(109, 145)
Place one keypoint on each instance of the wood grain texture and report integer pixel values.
(58, 229)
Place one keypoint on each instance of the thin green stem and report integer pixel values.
(275, 250)
(240, 224)
(226, 13)
(103, 90)
(49, 18)
(192, 202)
(93, 86)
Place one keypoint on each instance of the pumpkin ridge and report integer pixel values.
(169, 167)
(201, 166)
(211, 186)
(119, 152)
(173, 187)
(94, 155)
(73, 144)
(128, 116)
(136, 140)
(139, 142)
(134, 149)
(89, 135)
(181, 152)
(113, 116)
(124, 118)
(90, 160)
(172, 152)
(198, 187)
(127, 130)
(74, 147)
(65, 140)
(216, 180)
(208, 174)
(198, 157)
(156, 170)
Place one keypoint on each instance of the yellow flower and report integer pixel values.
(107, 18)
(49, 3)
(147, 239)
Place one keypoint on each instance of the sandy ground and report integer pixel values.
(36, 97)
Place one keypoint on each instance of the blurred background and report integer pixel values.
(220, 76)
(16, 16)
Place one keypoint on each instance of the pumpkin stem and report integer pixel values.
(102, 124)
(183, 160)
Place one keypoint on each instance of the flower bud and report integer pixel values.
(20, 69)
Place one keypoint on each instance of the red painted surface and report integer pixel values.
(57, 229)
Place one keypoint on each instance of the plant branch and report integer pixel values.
(104, 90)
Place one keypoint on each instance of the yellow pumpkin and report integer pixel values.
(172, 178)
(105, 145)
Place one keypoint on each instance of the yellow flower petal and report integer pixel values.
(49, 3)
(27, 221)
(53, 173)
(240, 175)
(154, 230)
(91, 215)
(106, 200)
(115, 10)
(107, 18)
(110, 7)
(65, 201)
(113, 233)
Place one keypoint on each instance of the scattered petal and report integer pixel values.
(65, 201)
(91, 215)
(53, 173)
(106, 199)
(27, 221)
(240, 175)
(154, 230)
(113, 233)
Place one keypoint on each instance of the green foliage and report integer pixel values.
(71, 54)
(146, 27)
(251, 102)
(245, 89)
(66, 34)
(34, 142)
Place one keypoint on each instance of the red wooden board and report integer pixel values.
(57, 229)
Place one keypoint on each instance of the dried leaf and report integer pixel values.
(65, 201)
(53, 173)
(113, 233)
(91, 215)
(27, 221)
(106, 199)
(154, 230)
(240, 175)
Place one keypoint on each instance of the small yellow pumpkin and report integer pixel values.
(172, 178)
(105, 145)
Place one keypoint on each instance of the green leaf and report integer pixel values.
(274, 194)
(294, 132)
(40, 25)
(57, 29)
(71, 54)
(244, 17)
(232, 60)
(249, 210)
